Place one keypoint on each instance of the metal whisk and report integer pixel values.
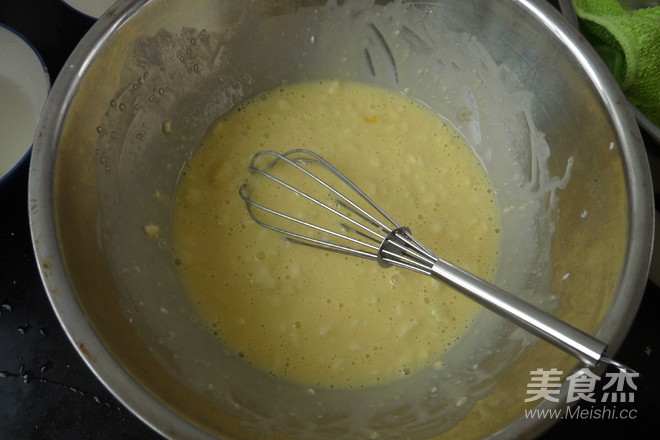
(357, 226)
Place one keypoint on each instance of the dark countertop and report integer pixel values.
(47, 391)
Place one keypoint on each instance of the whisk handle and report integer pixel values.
(586, 348)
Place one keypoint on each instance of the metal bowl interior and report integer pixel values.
(137, 95)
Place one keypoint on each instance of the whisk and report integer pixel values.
(355, 225)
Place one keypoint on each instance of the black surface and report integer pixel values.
(46, 390)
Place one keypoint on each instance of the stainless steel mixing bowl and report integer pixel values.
(133, 100)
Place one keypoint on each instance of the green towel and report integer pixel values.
(629, 43)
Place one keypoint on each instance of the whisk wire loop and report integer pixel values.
(301, 156)
(370, 228)
(299, 238)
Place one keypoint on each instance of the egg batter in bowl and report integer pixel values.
(324, 319)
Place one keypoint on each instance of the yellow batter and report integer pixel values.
(319, 318)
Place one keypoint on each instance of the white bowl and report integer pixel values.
(92, 9)
(24, 86)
